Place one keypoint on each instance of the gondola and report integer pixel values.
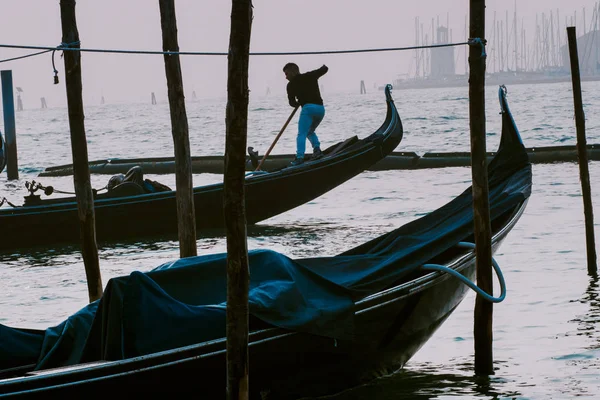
(396, 160)
(54, 220)
(316, 324)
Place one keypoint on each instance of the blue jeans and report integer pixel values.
(310, 117)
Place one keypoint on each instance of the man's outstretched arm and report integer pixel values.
(317, 73)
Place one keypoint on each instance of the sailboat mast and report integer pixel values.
(516, 38)
(495, 46)
(417, 53)
(507, 43)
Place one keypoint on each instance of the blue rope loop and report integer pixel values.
(478, 42)
(64, 45)
(61, 46)
(466, 281)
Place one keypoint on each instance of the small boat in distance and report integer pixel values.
(138, 215)
(317, 325)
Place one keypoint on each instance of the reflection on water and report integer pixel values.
(297, 234)
(588, 322)
(429, 381)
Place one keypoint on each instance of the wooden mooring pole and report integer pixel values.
(582, 153)
(186, 215)
(81, 171)
(481, 202)
(10, 129)
(236, 129)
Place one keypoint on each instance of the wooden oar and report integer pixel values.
(277, 138)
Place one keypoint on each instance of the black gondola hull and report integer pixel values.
(390, 323)
(284, 364)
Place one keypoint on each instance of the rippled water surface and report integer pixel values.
(546, 340)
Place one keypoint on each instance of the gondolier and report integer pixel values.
(303, 90)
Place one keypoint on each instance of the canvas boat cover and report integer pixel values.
(184, 302)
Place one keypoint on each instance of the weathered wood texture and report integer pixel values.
(236, 118)
(186, 221)
(584, 173)
(81, 171)
(481, 202)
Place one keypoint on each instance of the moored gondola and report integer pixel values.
(50, 221)
(317, 324)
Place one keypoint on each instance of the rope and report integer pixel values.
(466, 281)
(478, 42)
(61, 46)
(204, 53)
(54, 68)
(34, 186)
(5, 200)
(25, 56)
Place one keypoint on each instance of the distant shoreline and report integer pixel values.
(491, 79)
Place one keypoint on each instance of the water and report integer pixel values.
(546, 341)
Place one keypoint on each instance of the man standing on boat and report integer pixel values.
(303, 90)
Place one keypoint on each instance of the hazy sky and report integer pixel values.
(278, 26)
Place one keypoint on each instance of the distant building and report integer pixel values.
(587, 50)
(442, 58)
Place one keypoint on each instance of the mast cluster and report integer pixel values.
(515, 45)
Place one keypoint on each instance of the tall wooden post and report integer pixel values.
(10, 129)
(481, 202)
(238, 276)
(81, 171)
(186, 215)
(582, 153)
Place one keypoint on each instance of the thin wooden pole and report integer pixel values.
(186, 215)
(81, 171)
(481, 203)
(236, 129)
(277, 138)
(582, 153)
(10, 130)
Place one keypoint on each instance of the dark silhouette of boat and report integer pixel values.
(316, 324)
(130, 214)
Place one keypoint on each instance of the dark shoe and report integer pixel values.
(317, 153)
(297, 161)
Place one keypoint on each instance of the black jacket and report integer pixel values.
(304, 88)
